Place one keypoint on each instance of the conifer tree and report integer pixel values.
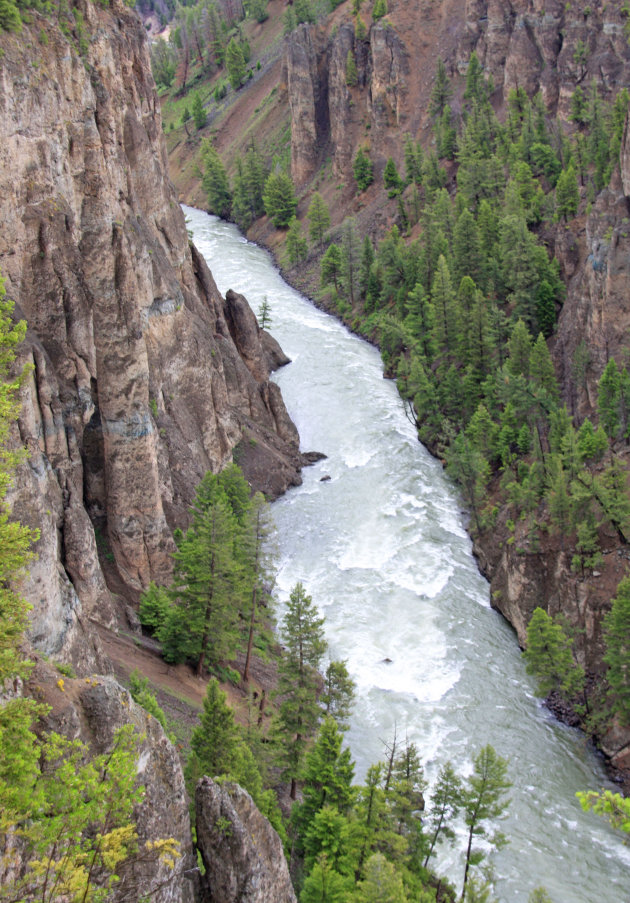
(198, 112)
(484, 799)
(442, 90)
(549, 657)
(379, 9)
(467, 253)
(331, 266)
(215, 181)
(279, 199)
(445, 804)
(391, 179)
(303, 636)
(235, 64)
(325, 885)
(201, 625)
(608, 399)
(10, 16)
(214, 743)
(362, 170)
(446, 315)
(350, 259)
(413, 161)
(319, 218)
(327, 777)
(567, 194)
(381, 882)
(367, 259)
(337, 697)
(617, 655)
(255, 546)
(297, 247)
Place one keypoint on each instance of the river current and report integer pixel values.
(382, 549)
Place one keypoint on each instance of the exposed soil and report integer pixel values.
(178, 690)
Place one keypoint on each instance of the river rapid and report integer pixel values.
(382, 549)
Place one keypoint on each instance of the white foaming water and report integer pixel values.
(383, 551)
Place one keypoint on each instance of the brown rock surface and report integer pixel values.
(242, 854)
(143, 376)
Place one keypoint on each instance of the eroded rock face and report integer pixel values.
(325, 113)
(242, 854)
(143, 376)
(547, 46)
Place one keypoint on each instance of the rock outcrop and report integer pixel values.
(242, 854)
(327, 114)
(92, 710)
(143, 377)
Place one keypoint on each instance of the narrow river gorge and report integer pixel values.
(382, 548)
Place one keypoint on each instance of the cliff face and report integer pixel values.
(143, 377)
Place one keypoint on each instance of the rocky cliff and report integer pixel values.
(143, 377)
(242, 854)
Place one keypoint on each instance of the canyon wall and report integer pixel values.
(143, 376)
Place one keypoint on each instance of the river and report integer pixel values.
(382, 549)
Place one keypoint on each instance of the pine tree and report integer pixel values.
(198, 112)
(362, 170)
(264, 314)
(10, 16)
(608, 399)
(475, 85)
(367, 259)
(337, 697)
(214, 743)
(381, 882)
(467, 253)
(235, 64)
(326, 778)
(483, 799)
(391, 180)
(303, 636)
(279, 199)
(617, 655)
(413, 161)
(255, 546)
(446, 314)
(331, 266)
(319, 218)
(567, 194)
(325, 885)
(445, 804)
(549, 657)
(215, 181)
(297, 247)
(379, 9)
(541, 370)
(441, 92)
(350, 259)
(206, 581)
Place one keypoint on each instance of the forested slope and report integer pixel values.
(458, 177)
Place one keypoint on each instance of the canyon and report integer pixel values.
(143, 377)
